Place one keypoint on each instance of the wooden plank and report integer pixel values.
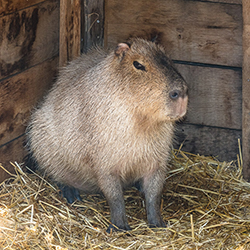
(246, 91)
(190, 30)
(209, 141)
(18, 95)
(28, 37)
(7, 6)
(93, 24)
(222, 1)
(70, 30)
(215, 96)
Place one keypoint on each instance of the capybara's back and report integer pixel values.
(108, 123)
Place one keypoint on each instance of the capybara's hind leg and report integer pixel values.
(70, 193)
(138, 186)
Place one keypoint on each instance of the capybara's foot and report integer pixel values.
(70, 193)
(113, 228)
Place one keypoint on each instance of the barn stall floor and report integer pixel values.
(205, 204)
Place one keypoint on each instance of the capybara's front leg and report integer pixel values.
(152, 187)
(112, 189)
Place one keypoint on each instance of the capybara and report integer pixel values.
(108, 124)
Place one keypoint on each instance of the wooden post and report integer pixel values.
(93, 24)
(70, 30)
(246, 90)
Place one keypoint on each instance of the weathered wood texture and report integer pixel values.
(18, 95)
(28, 37)
(194, 31)
(92, 24)
(246, 90)
(28, 65)
(223, 1)
(214, 96)
(209, 141)
(70, 30)
(7, 6)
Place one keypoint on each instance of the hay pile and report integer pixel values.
(205, 203)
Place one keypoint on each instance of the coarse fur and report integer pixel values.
(108, 122)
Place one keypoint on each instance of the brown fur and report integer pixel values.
(106, 121)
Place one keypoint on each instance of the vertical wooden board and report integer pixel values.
(18, 95)
(190, 30)
(28, 37)
(7, 6)
(246, 90)
(208, 141)
(93, 25)
(215, 96)
(70, 30)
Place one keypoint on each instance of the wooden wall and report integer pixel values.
(29, 35)
(204, 38)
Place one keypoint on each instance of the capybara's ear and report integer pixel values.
(121, 49)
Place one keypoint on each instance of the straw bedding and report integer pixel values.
(205, 204)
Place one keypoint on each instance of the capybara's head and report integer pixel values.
(149, 75)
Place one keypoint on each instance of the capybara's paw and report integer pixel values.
(158, 224)
(113, 228)
(70, 193)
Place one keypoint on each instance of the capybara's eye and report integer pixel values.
(139, 66)
(174, 94)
